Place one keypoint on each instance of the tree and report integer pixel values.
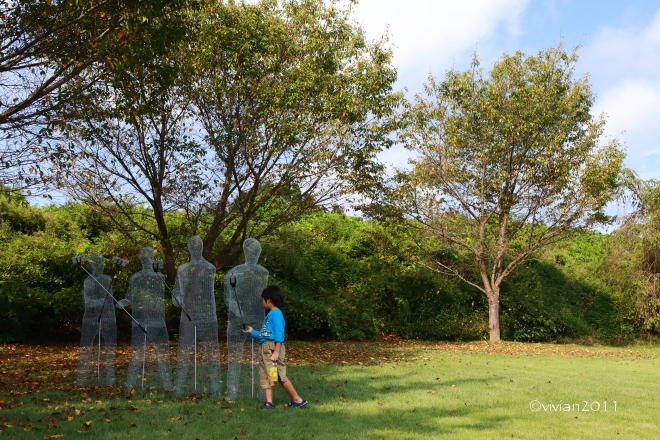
(45, 47)
(267, 111)
(503, 166)
(632, 265)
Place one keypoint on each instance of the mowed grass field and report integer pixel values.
(390, 390)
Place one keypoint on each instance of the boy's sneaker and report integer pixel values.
(293, 404)
(268, 405)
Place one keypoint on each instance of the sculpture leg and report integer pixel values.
(88, 337)
(184, 356)
(162, 347)
(135, 358)
(235, 342)
(109, 336)
(209, 338)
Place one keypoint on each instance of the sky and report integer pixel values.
(619, 50)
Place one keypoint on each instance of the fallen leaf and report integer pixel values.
(85, 426)
(57, 436)
(243, 431)
(451, 414)
(228, 411)
(380, 404)
(69, 418)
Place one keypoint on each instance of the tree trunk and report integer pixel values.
(494, 315)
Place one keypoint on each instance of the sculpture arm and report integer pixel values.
(128, 300)
(230, 294)
(231, 303)
(177, 297)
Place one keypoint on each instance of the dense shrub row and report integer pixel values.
(340, 274)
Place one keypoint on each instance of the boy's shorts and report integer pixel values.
(265, 351)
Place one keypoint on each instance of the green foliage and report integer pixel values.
(38, 293)
(343, 282)
(344, 279)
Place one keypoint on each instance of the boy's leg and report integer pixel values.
(288, 386)
(264, 362)
(269, 395)
(284, 380)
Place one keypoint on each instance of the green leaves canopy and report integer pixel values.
(506, 164)
(266, 111)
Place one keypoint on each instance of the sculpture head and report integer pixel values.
(146, 256)
(252, 250)
(195, 247)
(98, 263)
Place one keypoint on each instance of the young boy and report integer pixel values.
(271, 347)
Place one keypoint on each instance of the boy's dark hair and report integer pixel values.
(275, 295)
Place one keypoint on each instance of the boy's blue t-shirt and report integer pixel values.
(272, 328)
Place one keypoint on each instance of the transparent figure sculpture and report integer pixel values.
(99, 328)
(145, 295)
(243, 287)
(198, 355)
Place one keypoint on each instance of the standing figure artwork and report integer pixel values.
(243, 287)
(194, 293)
(145, 295)
(99, 327)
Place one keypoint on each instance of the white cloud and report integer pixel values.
(616, 54)
(625, 71)
(430, 34)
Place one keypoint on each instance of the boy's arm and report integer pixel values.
(255, 334)
(276, 352)
(277, 327)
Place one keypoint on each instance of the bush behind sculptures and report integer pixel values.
(367, 290)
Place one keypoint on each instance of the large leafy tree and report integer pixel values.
(47, 48)
(504, 165)
(267, 111)
(632, 266)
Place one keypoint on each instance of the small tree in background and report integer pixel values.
(503, 166)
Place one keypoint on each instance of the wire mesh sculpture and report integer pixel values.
(145, 296)
(99, 326)
(194, 293)
(243, 287)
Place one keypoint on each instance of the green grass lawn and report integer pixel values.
(400, 390)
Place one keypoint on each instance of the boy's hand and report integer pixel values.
(275, 356)
(247, 329)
